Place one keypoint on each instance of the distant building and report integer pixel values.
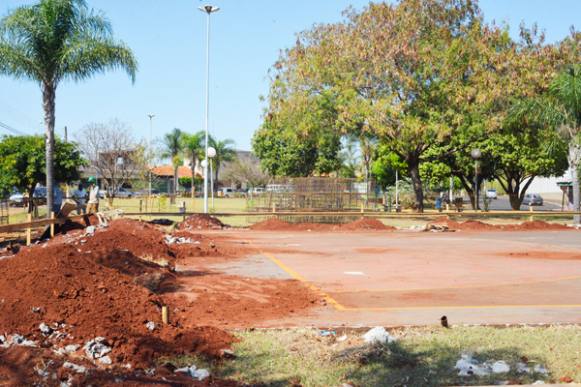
(163, 175)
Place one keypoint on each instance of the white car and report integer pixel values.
(491, 194)
(16, 199)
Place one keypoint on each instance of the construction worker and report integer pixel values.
(93, 205)
(80, 196)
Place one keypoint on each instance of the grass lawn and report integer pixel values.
(420, 356)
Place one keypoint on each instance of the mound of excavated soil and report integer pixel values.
(535, 225)
(274, 224)
(113, 283)
(201, 222)
(475, 225)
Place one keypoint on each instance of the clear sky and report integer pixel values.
(168, 39)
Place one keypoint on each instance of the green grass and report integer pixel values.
(420, 356)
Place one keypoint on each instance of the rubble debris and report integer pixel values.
(195, 373)
(45, 329)
(17, 339)
(468, 366)
(75, 367)
(378, 335)
(150, 325)
(96, 348)
(500, 367)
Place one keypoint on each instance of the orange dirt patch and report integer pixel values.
(274, 224)
(550, 255)
(475, 225)
(232, 301)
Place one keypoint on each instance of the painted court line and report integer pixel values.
(338, 306)
(299, 277)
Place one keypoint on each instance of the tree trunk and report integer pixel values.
(414, 172)
(468, 187)
(48, 104)
(216, 172)
(515, 200)
(193, 164)
(30, 200)
(175, 180)
(574, 155)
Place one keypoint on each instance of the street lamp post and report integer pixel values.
(476, 155)
(149, 150)
(208, 10)
(211, 155)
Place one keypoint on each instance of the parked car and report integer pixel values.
(17, 199)
(532, 199)
(491, 194)
(258, 190)
(124, 193)
(228, 192)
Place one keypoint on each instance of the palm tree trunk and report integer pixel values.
(48, 104)
(574, 155)
(193, 176)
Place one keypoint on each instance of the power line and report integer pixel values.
(11, 129)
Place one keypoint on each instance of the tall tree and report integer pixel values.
(56, 40)
(173, 147)
(22, 163)
(193, 147)
(225, 152)
(114, 154)
(560, 108)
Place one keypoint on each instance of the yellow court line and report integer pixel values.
(404, 308)
(300, 278)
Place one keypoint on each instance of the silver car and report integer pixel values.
(533, 199)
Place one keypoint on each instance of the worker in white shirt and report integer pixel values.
(93, 205)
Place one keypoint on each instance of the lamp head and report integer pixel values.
(209, 9)
(476, 153)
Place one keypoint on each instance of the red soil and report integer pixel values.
(109, 285)
(274, 224)
(232, 301)
(201, 222)
(475, 225)
(544, 255)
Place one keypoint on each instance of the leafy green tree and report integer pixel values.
(22, 163)
(298, 136)
(56, 40)
(560, 109)
(172, 149)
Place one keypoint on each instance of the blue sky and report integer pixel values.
(168, 39)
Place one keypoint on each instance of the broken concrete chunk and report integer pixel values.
(500, 367)
(17, 339)
(89, 231)
(540, 369)
(150, 325)
(106, 360)
(192, 371)
(378, 335)
(75, 367)
(45, 329)
(468, 366)
(96, 348)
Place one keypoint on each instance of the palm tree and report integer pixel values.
(56, 40)
(193, 147)
(561, 109)
(224, 153)
(173, 143)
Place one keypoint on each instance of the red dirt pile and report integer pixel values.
(201, 222)
(274, 224)
(112, 283)
(475, 225)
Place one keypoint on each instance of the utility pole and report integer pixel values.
(149, 150)
(208, 9)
